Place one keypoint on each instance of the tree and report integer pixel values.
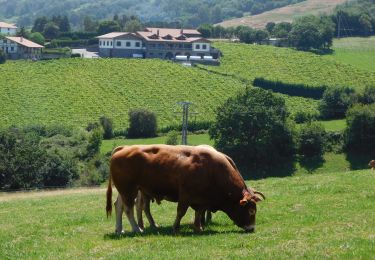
(133, 26)
(37, 37)
(247, 35)
(108, 26)
(206, 30)
(23, 33)
(311, 140)
(51, 30)
(270, 26)
(39, 24)
(142, 123)
(336, 101)
(89, 24)
(64, 24)
(107, 125)
(366, 24)
(360, 131)
(252, 127)
(311, 32)
(3, 57)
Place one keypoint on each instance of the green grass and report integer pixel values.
(334, 125)
(315, 216)
(357, 51)
(108, 145)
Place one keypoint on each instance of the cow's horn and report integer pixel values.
(261, 194)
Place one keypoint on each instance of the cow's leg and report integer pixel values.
(146, 207)
(129, 211)
(139, 207)
(119, 208)
(198, 220)
(208, 216)
(181, 211)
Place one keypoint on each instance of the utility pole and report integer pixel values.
(339, 25)
(185, 115)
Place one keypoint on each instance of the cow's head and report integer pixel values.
(372, 164)
(243, 213)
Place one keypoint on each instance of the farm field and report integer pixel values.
(247, 62)
(286, 13)
(311, 216)
(108, 145)
(357, 51)
(75, 92)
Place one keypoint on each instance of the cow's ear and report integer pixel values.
(243, 202)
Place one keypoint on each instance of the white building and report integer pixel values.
(8, 29)
(20, 48)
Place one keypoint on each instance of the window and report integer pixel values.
(204, 46)
(100, 43)
(128, 44)
(12, 48)
(111, 43)
(107, 43)
(197, 46)
(118, 43)
(138, 44)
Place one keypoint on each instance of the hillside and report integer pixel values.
(189, 13)
(311, 216)
(75, 91)
(285, 14)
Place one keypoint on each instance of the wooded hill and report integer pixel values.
(189, 13)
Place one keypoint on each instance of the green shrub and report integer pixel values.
(360, 133)
(368, 96)
(311, 140)
(252, 127)
(336, 101)
(172, 138)
(304, 116)
(142, 123)
(107, 125)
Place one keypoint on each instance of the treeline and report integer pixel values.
(309, 32)
(188, 13)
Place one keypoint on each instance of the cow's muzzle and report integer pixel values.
(249, 229)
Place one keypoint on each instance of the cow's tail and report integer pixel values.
(108, 208)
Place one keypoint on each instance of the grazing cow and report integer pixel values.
(372, 164)
(198, 177)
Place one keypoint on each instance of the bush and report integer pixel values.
(252, 127)
(303, 117)
(360, 133)
(336, 101)
(172, 138)
(311, 140)
(107, 125)
(368, 96)
(3, 57)
(142, 123)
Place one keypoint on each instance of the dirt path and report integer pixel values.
(8, 196)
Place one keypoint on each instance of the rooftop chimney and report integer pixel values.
(182, 31)
(157, 32)
(21, 39)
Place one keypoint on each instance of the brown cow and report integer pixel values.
(372, 164)
(197, 177)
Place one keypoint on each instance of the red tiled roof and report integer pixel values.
(24, 42)
(7, 25)
(173, 32)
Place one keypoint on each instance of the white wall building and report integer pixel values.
(20, 48)
(8, 29)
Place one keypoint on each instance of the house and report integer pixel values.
(7, 29)
(159, 43)
(20, 48)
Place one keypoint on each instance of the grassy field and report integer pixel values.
(286, 13)
(75, 92)
(311, 216)
(357, 51)
(108, 145)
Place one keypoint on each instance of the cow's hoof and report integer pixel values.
(154, 226)
(119, 232)
(138, 230)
